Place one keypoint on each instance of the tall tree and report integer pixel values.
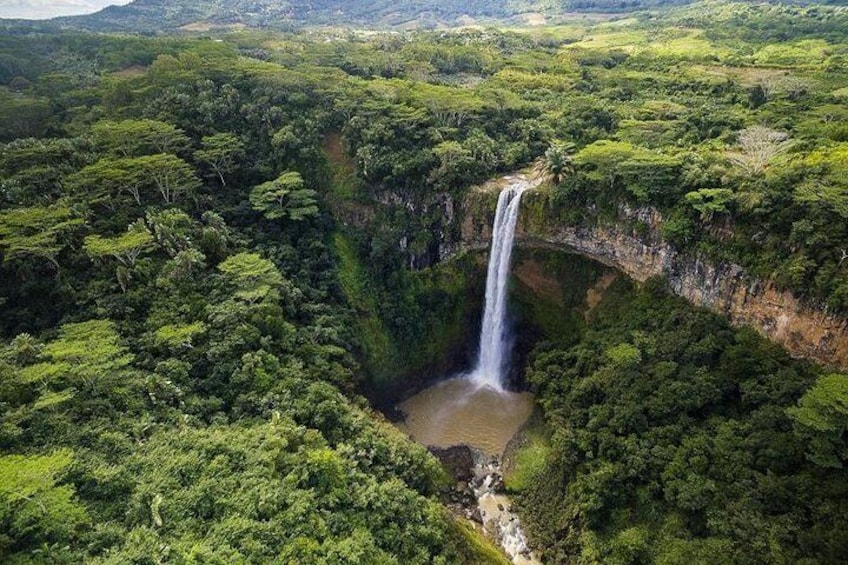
(826, 184)
(556, 163)
(84, 354)
(822, 418)
(285, 197)
(221, 152)
(255, 278)
(172, 176)
(37, 231)
(758, 145)
(34, 508)
(126, 248)
(134, 138)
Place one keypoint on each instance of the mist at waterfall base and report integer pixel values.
(475, 408)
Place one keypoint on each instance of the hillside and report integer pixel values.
(160, 15)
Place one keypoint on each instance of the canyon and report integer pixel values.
(633, 245)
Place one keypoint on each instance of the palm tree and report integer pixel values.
(556, 163)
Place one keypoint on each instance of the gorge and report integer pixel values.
(633, 244)
(474, 411)
(240, 240)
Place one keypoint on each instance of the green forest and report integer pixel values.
(222, 254)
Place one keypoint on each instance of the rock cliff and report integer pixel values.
(633, 245)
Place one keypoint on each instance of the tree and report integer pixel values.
(710, 201)
(84, 353)
(172, 176)
(184, 264)
(126, 248)
(822, 418)
(456, 163)
(557, 162)
(602, 159)
(178, 336)
(220, 151)
(108, 177)
(623, 355)
(22, 116)
(255, 278)
(648, 175)
(173, 228)
(104, 180)
(826, 184)
(285, 197)
(36, 231)
(134, 138)
(32, 170)
(34, 509)
(758, 145)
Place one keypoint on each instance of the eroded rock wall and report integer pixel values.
(633, 244)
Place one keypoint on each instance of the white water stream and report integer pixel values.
(493, 358)
(492, 365)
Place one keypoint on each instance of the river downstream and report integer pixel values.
(459, 412)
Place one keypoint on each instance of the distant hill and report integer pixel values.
(165, 15)
(40, 9)
(162, 16)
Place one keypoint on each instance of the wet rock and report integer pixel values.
(497, 484)
(458, 460)
(801, 326)
(393, 414)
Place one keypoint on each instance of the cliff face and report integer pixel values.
(640, 253)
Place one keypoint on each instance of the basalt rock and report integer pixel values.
(457, 459)
(633, 244)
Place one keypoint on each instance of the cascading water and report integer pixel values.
(475, 410)
(494, 339)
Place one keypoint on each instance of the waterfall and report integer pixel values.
(494, 339)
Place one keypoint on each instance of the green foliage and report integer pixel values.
(610, 166)
(530, 460)
(556, 164)
(23, 116)
(221, 152)
(36, 232)
(253, 493)
(35, 509)
(84, 353)
(829, 187)
(255, 278)
(285, 197)
(822, 416)
(178, 336)
(32, 170)
(623, 356)
(140, 177)
(667, 427)
(356, 284)
(209, 400)
(709, 202)
(170, 175)
(126, 248)
(134, 138)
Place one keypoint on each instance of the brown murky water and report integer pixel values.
(457, 412)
